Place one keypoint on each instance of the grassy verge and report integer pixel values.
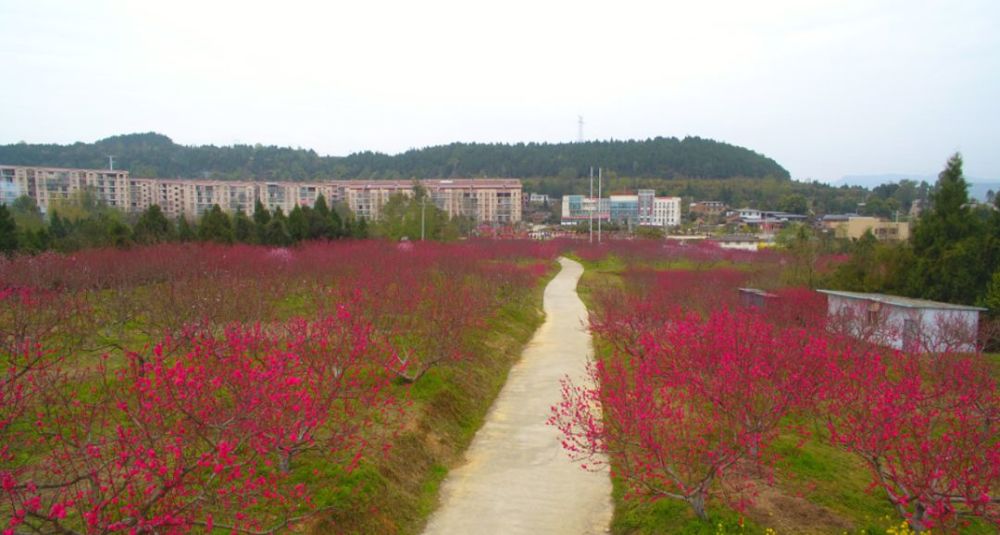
(396, 493)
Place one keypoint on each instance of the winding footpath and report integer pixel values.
(516, 478)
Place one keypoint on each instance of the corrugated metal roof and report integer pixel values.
(757, 291)
(896, 300)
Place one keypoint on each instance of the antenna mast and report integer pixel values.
(111, 162)
(591, 199)
(600, 174)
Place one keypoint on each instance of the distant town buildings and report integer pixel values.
(484, 200)
(854, 227)
(707, 208)
(643, 209)
(741, 242)
(765, 221)
(539, 198)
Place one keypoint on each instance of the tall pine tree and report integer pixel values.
(950, 244)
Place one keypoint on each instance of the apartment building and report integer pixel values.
(366, 198)
(483, 200)
(487, 200)
(54, 184)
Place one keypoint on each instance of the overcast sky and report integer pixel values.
(826, 88)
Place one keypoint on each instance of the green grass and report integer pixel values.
(430, 488)
(642, 517)
(832, 478)
(295, 305)
(994, 359)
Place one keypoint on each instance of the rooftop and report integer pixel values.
(896, 300)
(737, 238)
(61, 169)
(757, 291)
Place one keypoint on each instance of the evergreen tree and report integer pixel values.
(58, 226)
(184, 231)
(8, 232)
(347, 230)
(950, 245)
(337, 229)
(276, 233)
(320, 224)
(360, 230)
(153, 227)
(298, 224)
(118, 233)
(215, 226)
(244, 229)
(35, 241)
(320, 206)
(992, 298)
(261, 215)
(279, 215)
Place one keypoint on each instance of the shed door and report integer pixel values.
(911, 335)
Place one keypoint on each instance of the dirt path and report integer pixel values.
(516, 478)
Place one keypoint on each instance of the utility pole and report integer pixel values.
(591, 199)
(423, 204)
(599, 174)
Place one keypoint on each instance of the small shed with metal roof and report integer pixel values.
(755, 297)
(905, 323)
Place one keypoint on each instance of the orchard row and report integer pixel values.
(190, 387)
(695, 387)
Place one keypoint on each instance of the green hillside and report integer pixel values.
(157, 156)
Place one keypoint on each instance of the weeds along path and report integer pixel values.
(516, 477)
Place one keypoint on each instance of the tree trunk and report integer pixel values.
(698, 505)
(917, 520)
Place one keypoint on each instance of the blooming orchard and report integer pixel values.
(694, 387)
(178, 387)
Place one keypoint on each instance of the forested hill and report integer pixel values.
(157, 156)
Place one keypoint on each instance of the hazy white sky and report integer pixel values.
(826, 88)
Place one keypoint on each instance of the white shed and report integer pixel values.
(904, 323)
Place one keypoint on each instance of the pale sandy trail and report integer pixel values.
(516, 478)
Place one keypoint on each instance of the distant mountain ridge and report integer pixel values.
(157, 156)
(978, 187)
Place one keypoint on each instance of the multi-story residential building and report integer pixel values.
(54, 184)
(10, 187)
(366, 198)
(483, 200)
(643, 208)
